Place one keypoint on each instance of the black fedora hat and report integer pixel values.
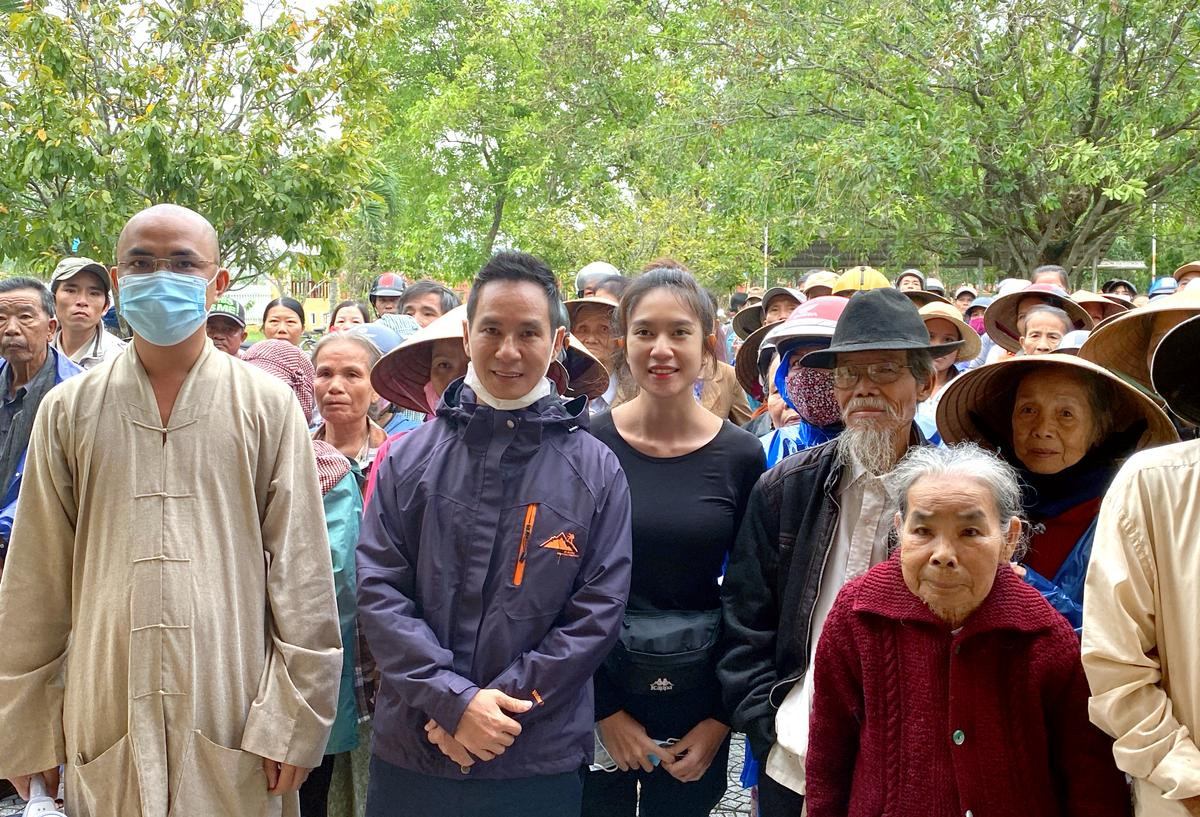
(1173, 370)
(878, 320)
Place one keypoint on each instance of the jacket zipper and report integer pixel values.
(811, 614)
(526, 532)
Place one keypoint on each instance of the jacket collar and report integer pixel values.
(64, 367)
(1007, 607)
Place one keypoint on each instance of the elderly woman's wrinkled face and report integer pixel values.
(1027, 303)
(593, 327)
(343, 383)
(1043, 334)
(951, 541)
(1053, 423)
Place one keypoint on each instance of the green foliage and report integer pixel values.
(505, 124)
(1027, 131)
(116, 106)
(420, 137)
(1023, 131)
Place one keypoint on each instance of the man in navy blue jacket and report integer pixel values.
(493, 569)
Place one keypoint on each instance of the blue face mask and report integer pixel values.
(164, 307)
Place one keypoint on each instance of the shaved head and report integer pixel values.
(179, 219)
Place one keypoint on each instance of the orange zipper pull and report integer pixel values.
(526, 532)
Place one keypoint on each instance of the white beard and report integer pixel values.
(873, 448)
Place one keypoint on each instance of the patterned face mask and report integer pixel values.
(977, 324)
(811, 393)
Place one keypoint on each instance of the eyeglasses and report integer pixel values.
(144, 265)
(878, 373)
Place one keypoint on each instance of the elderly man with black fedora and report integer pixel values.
(1142, 602)
(814, 522)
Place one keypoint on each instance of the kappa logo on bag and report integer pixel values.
(662, 685)
(563, 544)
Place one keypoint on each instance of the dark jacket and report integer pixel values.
(64, 367)
(911, 719)
(771, 587)
(495, 552)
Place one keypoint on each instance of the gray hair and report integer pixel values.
(958, 462)
(920, 363)
(1047, 309)
(368, 346)
(17, 282)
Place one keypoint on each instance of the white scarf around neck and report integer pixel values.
(544, 388)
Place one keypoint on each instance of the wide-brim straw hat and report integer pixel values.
(977, 405)
(877, 320)
(749, 319)
(1190, 266)
(816, 318)
(1121, 344)
(1000, 319)
(400, 375)
(575, 304)
(1173, 370)
(1111, 306)
(922, 297)
(580, 373)
(972, 344)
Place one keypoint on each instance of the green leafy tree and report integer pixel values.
(1021, 132)
(502, 124)
(109, 107)
(1024, 131)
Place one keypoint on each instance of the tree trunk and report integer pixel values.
(497, 216)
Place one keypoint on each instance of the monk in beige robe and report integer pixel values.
(167, 612)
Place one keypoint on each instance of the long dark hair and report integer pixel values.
(683, 285)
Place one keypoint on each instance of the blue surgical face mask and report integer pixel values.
(164, 308)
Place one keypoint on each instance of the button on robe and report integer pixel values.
(167, 608)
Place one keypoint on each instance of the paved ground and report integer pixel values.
(12, 806)
(736, 802)
(737, 799)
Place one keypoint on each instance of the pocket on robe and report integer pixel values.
(217, 780)
(104, 785)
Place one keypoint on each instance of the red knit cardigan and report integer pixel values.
(911, 719)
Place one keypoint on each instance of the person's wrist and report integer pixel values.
(616, 717)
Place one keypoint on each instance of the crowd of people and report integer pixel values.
(927, 549)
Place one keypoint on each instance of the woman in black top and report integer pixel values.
(690, 474)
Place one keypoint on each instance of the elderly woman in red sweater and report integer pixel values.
(944, 685)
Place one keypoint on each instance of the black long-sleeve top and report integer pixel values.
(686, 512)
